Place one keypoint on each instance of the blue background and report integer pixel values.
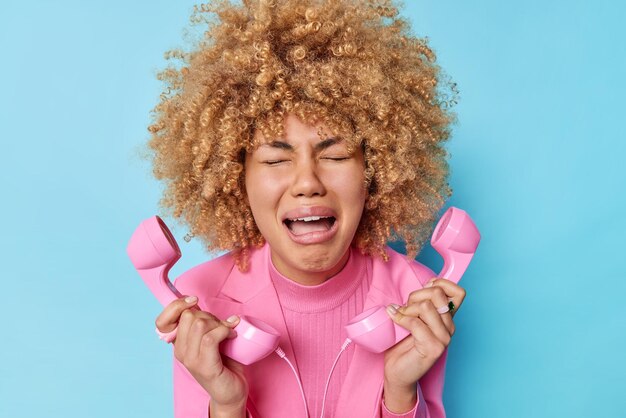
(537, 160)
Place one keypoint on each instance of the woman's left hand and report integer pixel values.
(411, 358)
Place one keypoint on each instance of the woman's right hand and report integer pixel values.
(197, 347)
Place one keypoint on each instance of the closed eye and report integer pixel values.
(273, 162)
(335, 158)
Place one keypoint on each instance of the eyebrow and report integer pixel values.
(322, 145)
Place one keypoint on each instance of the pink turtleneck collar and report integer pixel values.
(323, 297)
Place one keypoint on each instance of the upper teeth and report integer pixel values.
(310, 218)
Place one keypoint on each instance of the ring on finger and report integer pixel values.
(168, 337)
(450, 307)
(443, 309)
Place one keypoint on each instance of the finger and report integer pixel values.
(187, 320)
(424, 339)
(201, 349)
(170, 316)
(208, 348)
(205, 334)
(231, 322)
(441, 325)
(439, 299)
(204, 322)
(454, 292)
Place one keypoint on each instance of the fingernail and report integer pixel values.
(191, 299)
(430, 283)
(232, 319)
(392, 309)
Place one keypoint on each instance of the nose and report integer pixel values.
(306, 181)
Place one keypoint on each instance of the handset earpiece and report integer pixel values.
(455, 238)
(153, 251)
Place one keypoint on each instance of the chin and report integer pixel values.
(321, 259)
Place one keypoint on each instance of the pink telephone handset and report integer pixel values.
(455, 238)
(153, 251)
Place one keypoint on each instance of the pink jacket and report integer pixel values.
(223, 290)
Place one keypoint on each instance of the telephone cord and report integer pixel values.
(283, 356)
(345, 345)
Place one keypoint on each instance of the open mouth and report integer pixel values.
(310, 224)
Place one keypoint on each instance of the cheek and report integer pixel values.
(351, 190)
(263, 192)
(354, 193)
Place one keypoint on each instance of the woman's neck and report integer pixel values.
(309, 278)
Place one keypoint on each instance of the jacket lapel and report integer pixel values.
(362, 389)
(255, 296)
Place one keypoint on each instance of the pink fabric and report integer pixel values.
(310, 322)
(388, 414)
(315, 317)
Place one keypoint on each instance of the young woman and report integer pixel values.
(301, 136)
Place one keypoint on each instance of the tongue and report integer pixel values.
(301, 227)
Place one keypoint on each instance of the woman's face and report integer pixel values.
(307, 195)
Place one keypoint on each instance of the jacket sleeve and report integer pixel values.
(419, 410)
(430, 386)
(190, 399)
(429, 394)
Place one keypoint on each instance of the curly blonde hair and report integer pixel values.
(351, 65)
